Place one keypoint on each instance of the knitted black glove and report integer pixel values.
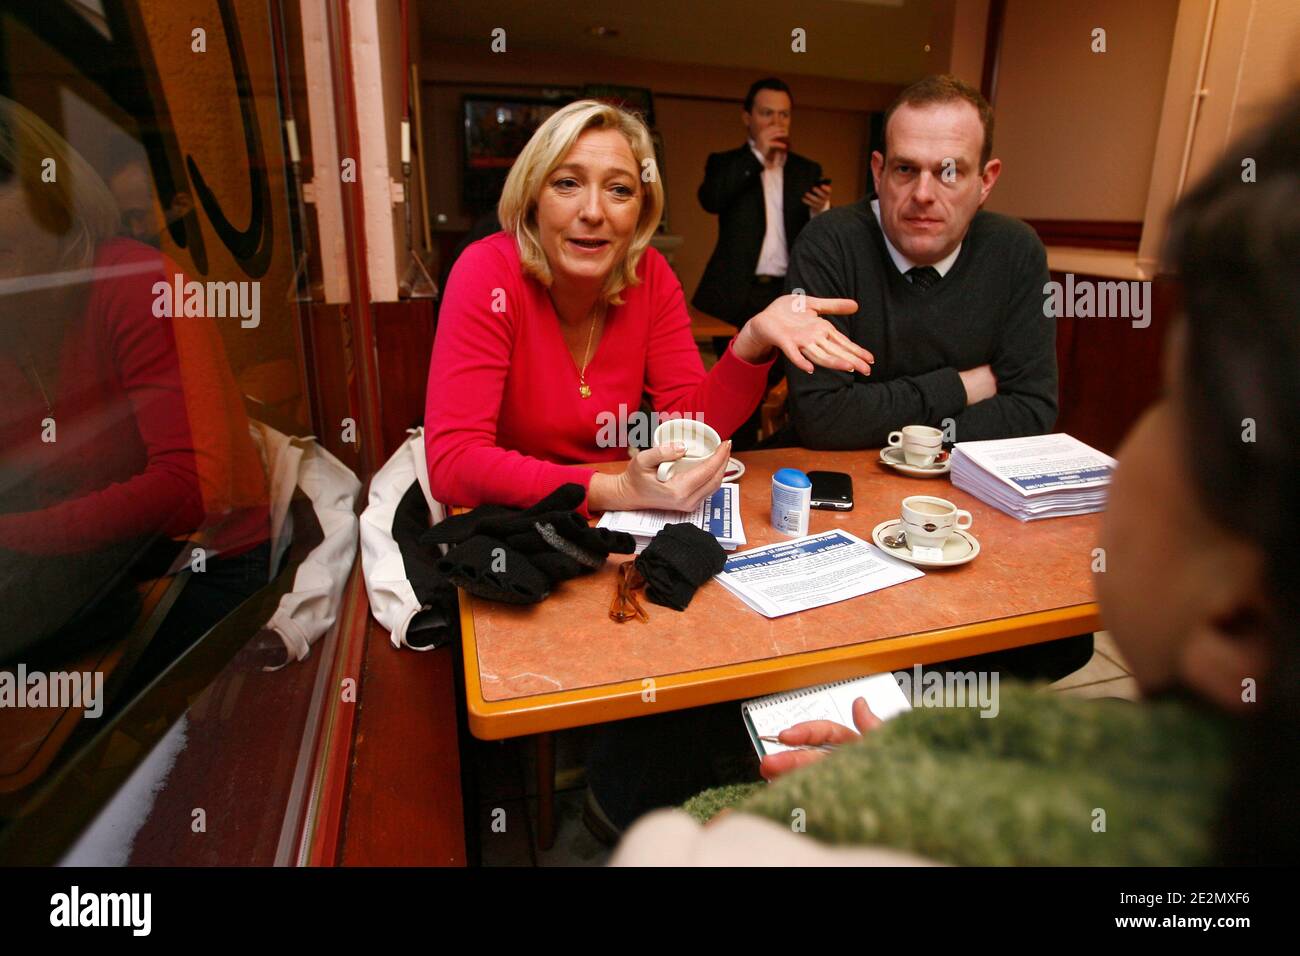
(568, 533)
(454, 529)
(487, 568)
(500, 522)
(549, 539)
(679, 559)
(601, 541)
(558, 567)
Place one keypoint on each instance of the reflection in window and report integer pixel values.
(153, 522)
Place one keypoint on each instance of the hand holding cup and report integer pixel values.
(699, 442)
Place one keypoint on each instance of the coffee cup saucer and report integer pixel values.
(892, 456)
(961, 546)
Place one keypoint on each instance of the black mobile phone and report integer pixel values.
(824, 181)
(831, 490)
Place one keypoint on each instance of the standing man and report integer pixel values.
(763, 195)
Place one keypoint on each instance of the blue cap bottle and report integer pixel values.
(791, 502)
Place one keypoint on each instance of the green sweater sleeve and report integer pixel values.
(1050, 780)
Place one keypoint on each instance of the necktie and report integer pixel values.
(923, 276)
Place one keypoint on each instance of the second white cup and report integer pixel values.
(921, 444)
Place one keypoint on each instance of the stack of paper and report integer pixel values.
(1043, 476)
(719, 515)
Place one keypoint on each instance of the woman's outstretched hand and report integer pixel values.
(638, 486)
(794, 324)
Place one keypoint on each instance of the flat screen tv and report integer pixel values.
(496, 130)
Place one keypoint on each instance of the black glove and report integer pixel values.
(487, 568)
(568, 533)
(498, 521)
(558, 567)
(548, 541)
(679, 559)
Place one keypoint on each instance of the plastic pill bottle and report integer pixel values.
(791, 502)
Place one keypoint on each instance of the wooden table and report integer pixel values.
(563, 663)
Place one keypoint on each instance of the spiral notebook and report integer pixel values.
(768, 716)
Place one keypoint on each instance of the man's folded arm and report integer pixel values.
(831, 409)
(834, 410)
(1024, 365)
(1007, 415)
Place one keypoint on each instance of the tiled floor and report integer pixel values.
(1106, 675)
(508, 780)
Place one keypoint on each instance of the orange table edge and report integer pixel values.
(584, 706)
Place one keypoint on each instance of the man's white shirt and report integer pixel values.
(774, 257)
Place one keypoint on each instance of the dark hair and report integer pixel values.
(1234, 242)
(946, 88)
(768, 83)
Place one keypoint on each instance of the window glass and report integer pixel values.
(154, 414)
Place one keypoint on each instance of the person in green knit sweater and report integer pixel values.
(1199, 593)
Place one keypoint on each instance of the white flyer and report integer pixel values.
(809, 572)
(719, 515)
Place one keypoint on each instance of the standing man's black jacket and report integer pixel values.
(733, 191)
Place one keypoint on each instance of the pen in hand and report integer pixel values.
(823, 748)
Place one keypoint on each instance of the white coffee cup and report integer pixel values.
(929, 522)
(700, 440)
(921, 444)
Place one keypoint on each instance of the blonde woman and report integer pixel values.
(567, 313)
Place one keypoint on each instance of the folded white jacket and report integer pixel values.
(406, 592)
(312, 607)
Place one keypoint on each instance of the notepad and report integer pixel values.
(768, 716)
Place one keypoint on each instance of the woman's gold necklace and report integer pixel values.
(584, 390)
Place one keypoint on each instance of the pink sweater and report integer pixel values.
(504, 423)
(151, 433)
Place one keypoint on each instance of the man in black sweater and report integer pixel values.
(950, 303)
(950, 298)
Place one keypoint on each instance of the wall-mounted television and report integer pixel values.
(637, 99)
(496, 130)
